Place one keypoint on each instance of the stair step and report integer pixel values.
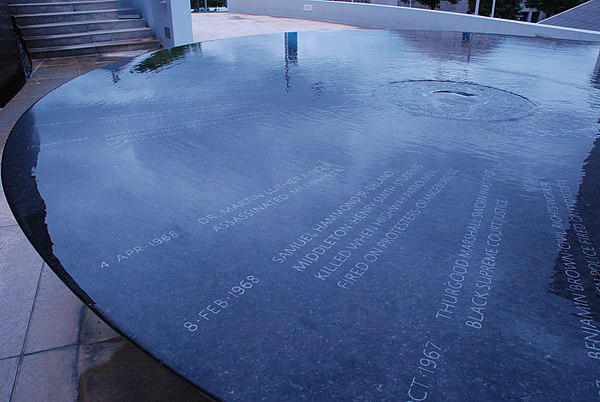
(87, 37)
(74, 16)
(61, 28)
(38, 8)
(34, 1)
(82, 26)
(148, 44)
(129, 16)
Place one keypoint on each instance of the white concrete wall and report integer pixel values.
(181, 17)
(172, 14)
(391, 17)
(460, 7)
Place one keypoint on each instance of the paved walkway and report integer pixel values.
(209, 26)
(52, 347)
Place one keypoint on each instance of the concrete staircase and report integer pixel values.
(54, 28)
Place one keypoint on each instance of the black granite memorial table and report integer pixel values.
(361, 215)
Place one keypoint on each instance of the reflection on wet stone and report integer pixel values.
(361, 215)
(448, 46)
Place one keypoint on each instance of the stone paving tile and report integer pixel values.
(38, 88)
(55, 317)
(20, 268)
(6, 216)
(15, 108)
(47, 376)
(36, 63)
(8, 373)
(117, 56)
(45, 71)
(207, 26)
(118, 371)
(89, 63)
(94, 330)
(64, 61)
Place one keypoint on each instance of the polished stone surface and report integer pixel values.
(284, 225)
(24, 294)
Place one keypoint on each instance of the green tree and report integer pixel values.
(433, 4)
(507, 9)
(552, 7)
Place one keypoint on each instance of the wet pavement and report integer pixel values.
(52, 347)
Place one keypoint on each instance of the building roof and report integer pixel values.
(584, 16)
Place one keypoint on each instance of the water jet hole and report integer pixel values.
(454, 92)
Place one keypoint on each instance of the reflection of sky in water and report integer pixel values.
(166, 139)
(234, 95)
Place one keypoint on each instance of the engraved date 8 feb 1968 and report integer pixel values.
(224, 302)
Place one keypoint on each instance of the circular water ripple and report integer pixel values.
(457, 100)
